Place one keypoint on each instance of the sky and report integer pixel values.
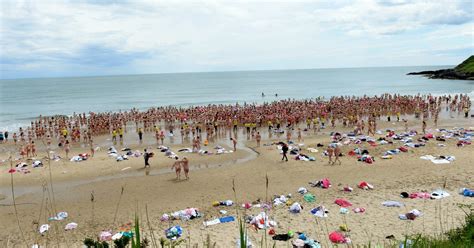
(45, 38)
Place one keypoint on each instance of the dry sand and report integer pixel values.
(211, 180)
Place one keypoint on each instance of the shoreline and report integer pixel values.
(212, 178)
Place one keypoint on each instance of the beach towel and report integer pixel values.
(219, 220)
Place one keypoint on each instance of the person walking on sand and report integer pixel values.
(177, 168)
(423, 127)
(337, 154)
(185, 164)
(234, 142)
(284, 149)
(330, 152)
(91, 146)
(147, 155)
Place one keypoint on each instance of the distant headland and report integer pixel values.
(463, 71)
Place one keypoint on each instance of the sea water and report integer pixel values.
(22, 100)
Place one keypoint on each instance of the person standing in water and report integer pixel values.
(258, 137)
(67, 148)
(234, 142)
(140, 135)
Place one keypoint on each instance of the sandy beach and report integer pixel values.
(211, 177)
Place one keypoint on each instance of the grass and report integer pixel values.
(467, 66)
(459, 237)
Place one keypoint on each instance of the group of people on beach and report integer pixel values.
(194, 121)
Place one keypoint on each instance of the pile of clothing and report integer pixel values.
(323, 183)
(412, 215)
(80, 157)
(185, 214)
(366, 158)
(439, 159)
(261, 221)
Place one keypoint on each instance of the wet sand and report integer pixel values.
(211, 179)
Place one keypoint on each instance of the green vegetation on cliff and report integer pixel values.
(467, 66)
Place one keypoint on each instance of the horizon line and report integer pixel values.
(223, 71)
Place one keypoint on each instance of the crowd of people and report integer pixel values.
(349, 111)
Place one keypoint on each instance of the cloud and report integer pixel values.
(87, 37)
